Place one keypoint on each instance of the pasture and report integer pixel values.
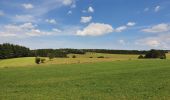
(120, 80)
(120, 77)
(30, 61)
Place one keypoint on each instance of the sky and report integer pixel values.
(88, 24)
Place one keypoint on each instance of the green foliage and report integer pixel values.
(13, 51)
(156, 54)
(51, 56)
(140, 57)
(37, 60)
(73, 56)
(42, 60)
(100, 57)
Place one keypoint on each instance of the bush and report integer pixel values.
(51, 56)
(156, 54)
(90, 57)
(43, 60)
(73, 56)
(140, 57)
(100, 57)
(37, 60)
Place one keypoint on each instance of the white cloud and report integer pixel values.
(67, 2)
(158, 28)
(86, 19)
(45, 6)
(124, 27)
(151, 42)
(157, 8)
(131, 23)
(57, 30)
(159, 41)
(28, 6)
(120, 29)
(24, 18)
(69, 12)
(51, 21)
(1, 13)
(90, 9)
(22, 30)
(95, 29)
(73, 5)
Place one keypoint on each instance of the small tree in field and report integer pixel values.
(51, 56)
(37, 60)
(73, 56)
(43, 60)
(140, 57)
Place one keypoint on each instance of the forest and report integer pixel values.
(8, 50)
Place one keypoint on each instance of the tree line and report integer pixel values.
(13, 51)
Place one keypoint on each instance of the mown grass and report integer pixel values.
(118, 80)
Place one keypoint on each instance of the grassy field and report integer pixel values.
(118, 77)
(29, 61)
(118, 80)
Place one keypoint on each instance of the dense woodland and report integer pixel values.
(13, 51)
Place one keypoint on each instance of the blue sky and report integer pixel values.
(100, 24)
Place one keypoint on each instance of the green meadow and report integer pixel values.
(121, 78)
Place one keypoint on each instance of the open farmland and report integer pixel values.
(127, 80)
(29, 61)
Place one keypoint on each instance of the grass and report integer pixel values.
(95, 55)
(29, 61)
(118, 80)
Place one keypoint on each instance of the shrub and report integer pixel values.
(37, 60)
(43, 60)
(100, 57)
(90, 57)
(156, 54)
(140, 57)
(73, 56)
(51, 56)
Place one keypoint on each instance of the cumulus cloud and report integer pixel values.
(163, 27)
(51, 21)
(124, 27)
(157, 8)
(120, 29)
(90, 9)
(95, 29)
(22, 30)
(159, 41)
(151, 42)
(27, 6)
(86, 19)
(131, 23)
